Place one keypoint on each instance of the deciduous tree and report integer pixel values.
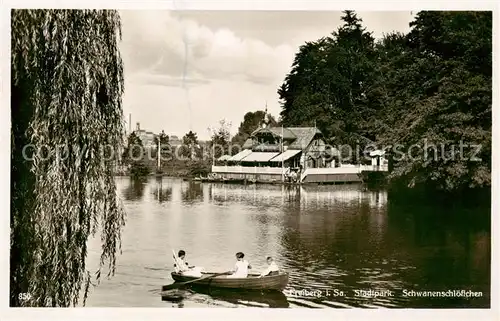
(251, 121)
(66, 90)
(431, 87)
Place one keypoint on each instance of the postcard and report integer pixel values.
(186, 157)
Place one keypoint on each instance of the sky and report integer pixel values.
(187, 70)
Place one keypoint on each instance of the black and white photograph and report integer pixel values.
(292, 159)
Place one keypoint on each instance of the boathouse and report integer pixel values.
(287, 154)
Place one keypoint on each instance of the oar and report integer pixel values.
(176, 261)
(181, 284)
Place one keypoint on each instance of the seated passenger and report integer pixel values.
(182, 267)
(272, 268)
(241, 267)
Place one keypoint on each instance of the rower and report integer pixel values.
(241, 267)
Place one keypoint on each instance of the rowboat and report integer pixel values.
(276, 282)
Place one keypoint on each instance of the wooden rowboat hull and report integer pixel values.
(252, 282)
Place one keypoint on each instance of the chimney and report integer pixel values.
(138, 127)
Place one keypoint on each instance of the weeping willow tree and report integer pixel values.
(66, 103)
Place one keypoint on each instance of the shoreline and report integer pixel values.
(398, 193)
(238, 181)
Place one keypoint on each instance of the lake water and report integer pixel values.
(333, 240)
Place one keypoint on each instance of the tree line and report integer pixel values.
(142, 161)
(219, 144)
(431, 86)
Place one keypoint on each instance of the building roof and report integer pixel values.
(248, 144)
(276, 131)
(285, 155)
(304, 136)
(259, 157)
(237, 157)
(224, 158)
(299, 137)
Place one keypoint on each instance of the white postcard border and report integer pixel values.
(7, 313)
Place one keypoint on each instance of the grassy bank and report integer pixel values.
(173, 168)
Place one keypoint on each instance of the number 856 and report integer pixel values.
(24, 296)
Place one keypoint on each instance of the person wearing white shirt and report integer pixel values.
(180, 264)
(272, 267)
(241, 267)
(182, 267)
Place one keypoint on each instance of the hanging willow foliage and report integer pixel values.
(66, 91)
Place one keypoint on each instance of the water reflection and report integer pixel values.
(192, 192)
(162, 193)
(327, 237)
(306, 195)
(245, 298)
(361, 247)
(135, 189)
(450, 245)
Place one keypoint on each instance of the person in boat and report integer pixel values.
(241, 267)
(272, 268)
(182, 266)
